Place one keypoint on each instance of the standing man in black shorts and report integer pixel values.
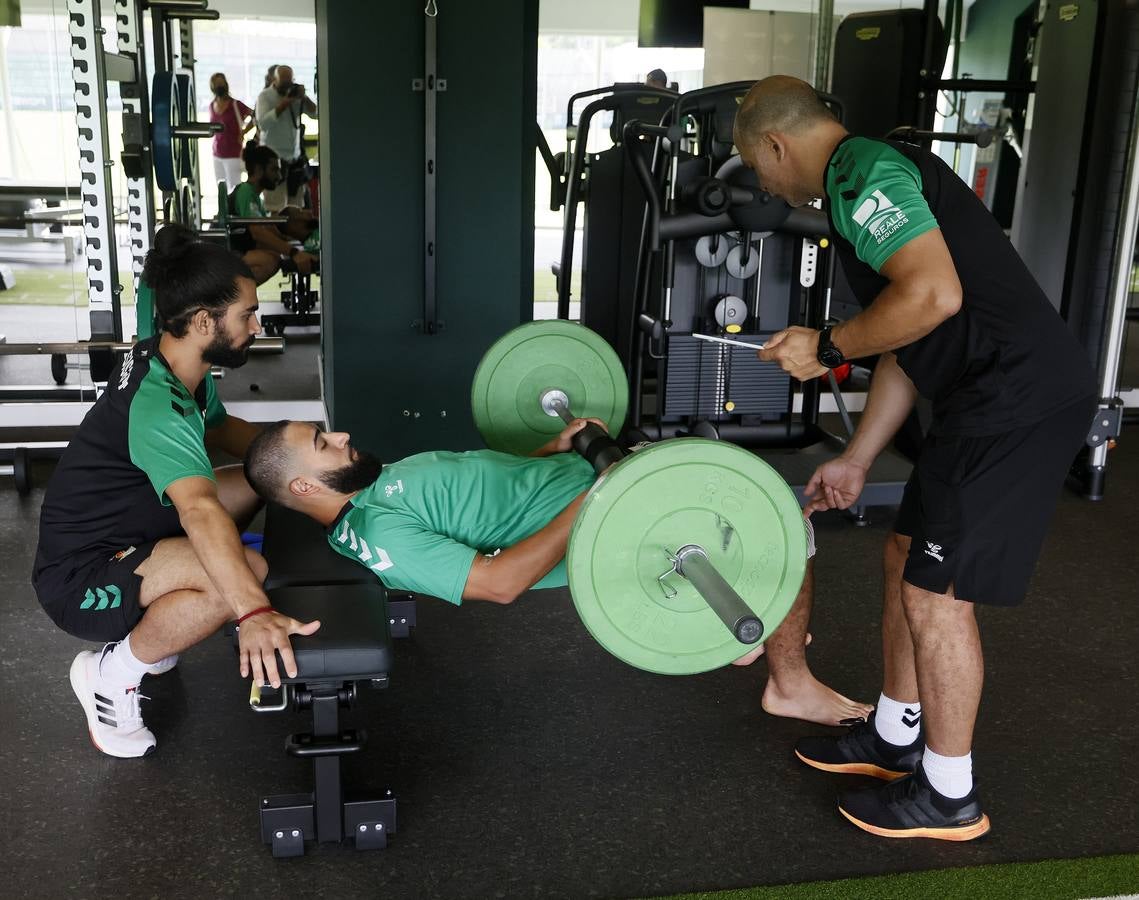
(138, 544)
(955, 316)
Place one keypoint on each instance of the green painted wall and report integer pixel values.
(372, 156)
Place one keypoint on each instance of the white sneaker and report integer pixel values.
(163, 665)
(114, 719)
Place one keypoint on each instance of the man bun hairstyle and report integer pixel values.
(187, 275)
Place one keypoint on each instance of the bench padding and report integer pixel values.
(353, 641)
(296, 548)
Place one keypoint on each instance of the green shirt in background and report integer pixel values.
(247, 201)
(421, 524)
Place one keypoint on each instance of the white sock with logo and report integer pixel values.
(897, 723)
(121, 668)
(950, 776)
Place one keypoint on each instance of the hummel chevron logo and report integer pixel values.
(934, 550)
(384, 561)
(366, 554)
(911, 722)
(103, 596)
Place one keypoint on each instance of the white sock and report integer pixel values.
(165, 662)
(897, 723)
(121, 668)
(950, 776)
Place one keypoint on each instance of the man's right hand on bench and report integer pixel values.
(264, 634)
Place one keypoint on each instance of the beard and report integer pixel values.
(357, 475)
(221, 351)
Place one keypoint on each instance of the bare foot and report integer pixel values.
(756, 652)
(812, 701)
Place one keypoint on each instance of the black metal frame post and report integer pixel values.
(431, 85)
(328, 792)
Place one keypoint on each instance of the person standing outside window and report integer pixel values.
(236, 120)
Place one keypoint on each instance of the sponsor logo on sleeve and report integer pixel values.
(878, 215)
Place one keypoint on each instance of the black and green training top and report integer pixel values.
(109, 490)
(1006, 359)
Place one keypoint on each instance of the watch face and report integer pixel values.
(831, 357)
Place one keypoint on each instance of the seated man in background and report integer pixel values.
(482, 525)
(139, 542)
(263, 247)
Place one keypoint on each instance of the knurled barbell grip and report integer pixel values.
(692, 562)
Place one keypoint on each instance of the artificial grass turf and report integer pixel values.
(67, 287)
(55, 287)
(1053, 879)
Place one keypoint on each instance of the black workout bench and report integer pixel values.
(309, 580)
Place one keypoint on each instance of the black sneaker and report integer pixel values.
(861, 752)
(910, 807)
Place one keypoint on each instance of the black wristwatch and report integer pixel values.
(828, 354)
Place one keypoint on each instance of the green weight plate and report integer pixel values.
(532, 359)
(685, 491)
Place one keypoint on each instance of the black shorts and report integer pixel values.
(977, 509)
(99, 599)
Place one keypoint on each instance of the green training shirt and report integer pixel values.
(876, 199)
(247, 201)
(1005, 359)
(424, 520)
(108, 492)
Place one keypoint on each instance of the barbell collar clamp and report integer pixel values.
(692, 562)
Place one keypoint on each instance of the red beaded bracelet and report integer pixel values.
(253, 612)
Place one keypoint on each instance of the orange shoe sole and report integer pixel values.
(956, 833)
(854, 769)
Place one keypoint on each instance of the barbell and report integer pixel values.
(683, 552)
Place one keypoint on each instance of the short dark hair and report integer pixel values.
(657, 75)
(267, 462)
(257, 156)
(187, 275)
(778, 103)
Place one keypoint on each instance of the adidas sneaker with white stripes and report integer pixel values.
(114, 716)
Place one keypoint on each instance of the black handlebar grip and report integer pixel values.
(598, 448)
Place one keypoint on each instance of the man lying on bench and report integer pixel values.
(482, 525)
